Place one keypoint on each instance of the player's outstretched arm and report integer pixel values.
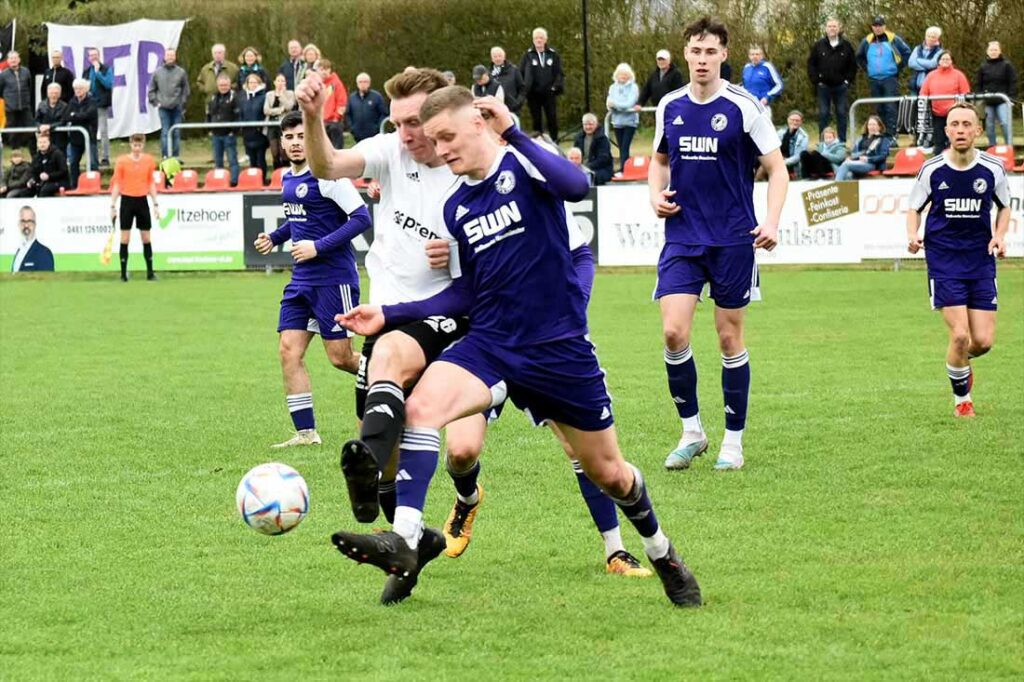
(455, 301)
(365, 320)
(326, 162)
(658, 176)
(914, 241)
(766, 235)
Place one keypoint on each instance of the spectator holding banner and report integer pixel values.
(101, 90)
(223, 107)
(51, 114)
(211, 71)
(57, 73)
(996, 75)
(169, 91)
(81, 111)
(945, 80)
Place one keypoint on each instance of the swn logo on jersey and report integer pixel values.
(689, 143)
(291, 210)
(407, 222)
(962, 206)
(492, 223)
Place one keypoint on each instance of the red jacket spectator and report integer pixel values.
(337, 95)
(945, 80)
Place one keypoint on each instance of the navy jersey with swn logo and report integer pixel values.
(331, 214)
(959, 223)
(514, 251)
(712, 149)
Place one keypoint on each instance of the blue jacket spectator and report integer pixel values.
(883, 54)
(870, 152)
(101, 79)
(291, 65)
(760, 78)
(596, 148)
(925, 58)
(623, 95)
(826, 159)
(366, 109)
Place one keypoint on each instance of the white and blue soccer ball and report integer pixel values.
(272, 498)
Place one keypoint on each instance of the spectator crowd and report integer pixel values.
(245, 98)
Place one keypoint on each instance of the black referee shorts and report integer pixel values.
(135, 211)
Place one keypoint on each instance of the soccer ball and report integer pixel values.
(272, 498)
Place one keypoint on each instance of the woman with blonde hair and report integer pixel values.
(623, 95)
(310, 56)
(251, 62)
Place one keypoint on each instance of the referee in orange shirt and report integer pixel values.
(133, 180)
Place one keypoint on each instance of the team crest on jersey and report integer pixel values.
(719, 122)
(980, 185)
(302, 190)
(505, 183)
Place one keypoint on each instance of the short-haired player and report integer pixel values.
(528, 338)
(708, 137)
(960, 187)
(322, 217)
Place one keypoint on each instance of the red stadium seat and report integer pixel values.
(250, 179)
(185, 181)
(908, 162)
(89, 183)
(1004, 152)
(275, 179)
(635, 169)
(217, 180)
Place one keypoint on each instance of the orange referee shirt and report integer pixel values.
(134, 177)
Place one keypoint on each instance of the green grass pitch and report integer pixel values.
(869, 536)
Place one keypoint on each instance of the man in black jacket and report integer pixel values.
(996, 75)
(484, 85)
(16, 91)
(596, 148)
(665, 78)
(223, 107)
(832, 66)
(544, 80)
(51, 113)
(509, 78)
(49, 169)
(59, 74)
(81, 112)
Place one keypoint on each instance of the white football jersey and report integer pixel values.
(408, 216)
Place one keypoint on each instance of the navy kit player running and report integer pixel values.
(960, 246)
(708, 138)
(528, 338)
(322, 219)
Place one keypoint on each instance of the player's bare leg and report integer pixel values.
(677, 311)
(464, 440)
(958, 353)
(397, 361)
(602, 462)
(735, 385)
(341, 354)
(605, 516)
(444, 394)
(292, 347)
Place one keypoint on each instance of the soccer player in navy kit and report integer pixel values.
(322, 219)
(708, 137)
(960, 246)
(528, 338)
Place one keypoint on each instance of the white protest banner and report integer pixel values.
(133, 51)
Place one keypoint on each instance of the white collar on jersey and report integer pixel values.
(302, 171)
(974, 162)
(490, 171)
(715, 95)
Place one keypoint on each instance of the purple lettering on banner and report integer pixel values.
(69, 59)
(147, 48)
(110, 56)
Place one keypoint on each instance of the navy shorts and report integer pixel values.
(583, 263)
(559, 381)
(730, 270)
(976, 294)
(312, 309)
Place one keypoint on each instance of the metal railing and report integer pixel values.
(608, 121)
(852, 129)
(226, 124)
(60, 129)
